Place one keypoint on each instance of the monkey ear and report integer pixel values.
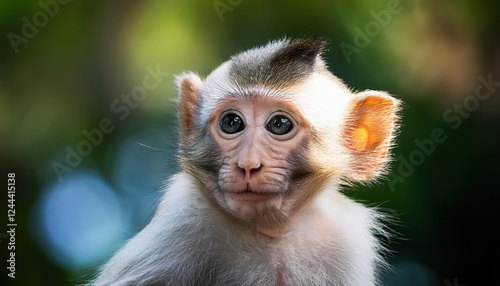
(189, 85)
(371, 124)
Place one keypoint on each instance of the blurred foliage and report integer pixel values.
(64, 78)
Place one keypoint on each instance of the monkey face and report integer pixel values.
(259, 167)
(271, 128)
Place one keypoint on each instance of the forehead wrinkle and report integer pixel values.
(250, 95)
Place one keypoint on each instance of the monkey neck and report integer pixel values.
(303, 221)
(273, 233)
(311, 214)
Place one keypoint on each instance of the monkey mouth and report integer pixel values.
(249, 195)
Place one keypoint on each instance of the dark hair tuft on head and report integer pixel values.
(300, 51)
(279, 63)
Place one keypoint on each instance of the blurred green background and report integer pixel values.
(87, 120)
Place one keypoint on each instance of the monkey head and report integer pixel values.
(269, 129)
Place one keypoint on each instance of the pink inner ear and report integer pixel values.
(372, 122)
(188, 104)
(360, 138)
(368, 133)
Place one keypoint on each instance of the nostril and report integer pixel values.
(242, 170)
(254, 170)
(249, 170)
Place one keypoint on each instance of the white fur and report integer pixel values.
(325, 105)
(334, 246)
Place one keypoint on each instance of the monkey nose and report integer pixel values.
(249, 168)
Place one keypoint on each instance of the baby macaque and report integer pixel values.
(266, 142)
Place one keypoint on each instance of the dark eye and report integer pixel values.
(231, 123)
(279, 125)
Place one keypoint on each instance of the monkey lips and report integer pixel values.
(251, 196)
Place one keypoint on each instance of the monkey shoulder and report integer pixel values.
(173, 248)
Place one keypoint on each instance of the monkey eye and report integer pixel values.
(231, 123)
(279, 125)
